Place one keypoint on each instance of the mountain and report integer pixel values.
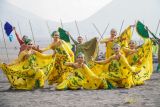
(118, 10)
(114, 13)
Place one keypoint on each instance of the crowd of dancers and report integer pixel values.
(125, 65)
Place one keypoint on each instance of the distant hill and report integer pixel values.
(113, 13)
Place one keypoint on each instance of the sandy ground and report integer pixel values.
(147, 95)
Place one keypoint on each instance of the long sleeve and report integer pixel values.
(18, 38)
(104, 40)
(47, 48)
(126, 64)
(70, 52)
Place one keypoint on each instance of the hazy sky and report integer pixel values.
(67, 10)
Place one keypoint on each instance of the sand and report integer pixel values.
(147, 95)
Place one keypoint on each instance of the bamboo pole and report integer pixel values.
(19, 29)
(104, 31)
(157, 27)
(97, 30)
(32, 32)
(134, 28)
(61, 23)
(4, 41)
(121, 27)
(49, 31)
(77, 28)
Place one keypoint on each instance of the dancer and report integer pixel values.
(62, 53)
(123, 40)
(141, 58)
(20, 41)
(23, 73)
(117, 70)
(81, 77)
(89, 48)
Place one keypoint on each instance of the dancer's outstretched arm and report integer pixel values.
(106, 60)
(18, 37)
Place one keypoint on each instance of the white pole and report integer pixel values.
(4, 41)
(32, 32)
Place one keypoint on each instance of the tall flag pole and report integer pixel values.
(4, 41)
(157, 27)
(32, 32)
(97, 29)
(19, 28)
(121, 27)
(134, 27)
(78, 30)
(105, 31)
(61, 23)
(77, 27)
(49, 31)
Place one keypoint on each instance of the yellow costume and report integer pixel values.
(82, 78)
(28, 72)
(142, 61)
(119, 73)
(62, 54)
(123, 40)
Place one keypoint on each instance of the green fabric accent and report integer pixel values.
(27, 41)
(158, 68)
(110, 86)
(37, 84)
(142, 31)
(89, 49)
(63, 35)
(155, 49)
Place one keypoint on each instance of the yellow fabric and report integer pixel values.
(142, 61)
(24, 73)
(117, 72)
(62, 54)
(125, 37)
(122, 40)
(82, 78)
(145, 69)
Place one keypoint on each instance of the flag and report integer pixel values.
(142, 30)
(8, 30)
(64, 36)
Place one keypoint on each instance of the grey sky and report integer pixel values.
(67, 10)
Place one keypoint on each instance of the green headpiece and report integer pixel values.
(27, 41)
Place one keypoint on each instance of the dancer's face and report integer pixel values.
(80, 59)
(56, 36)
(80, 39)
(24, 37)
(132, 44)
(116, 49)
(113, 33)
(29, 47)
